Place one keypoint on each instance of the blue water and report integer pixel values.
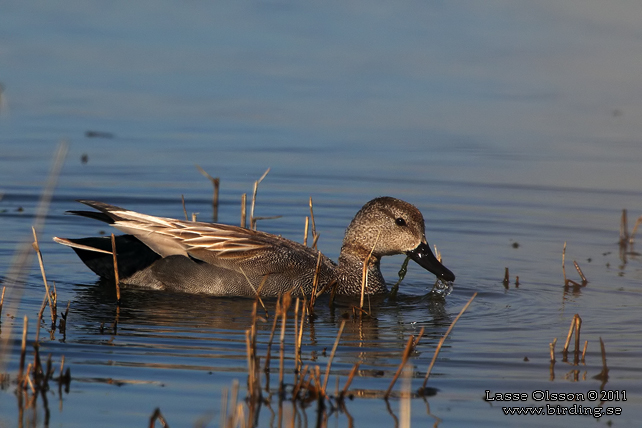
(508, 124)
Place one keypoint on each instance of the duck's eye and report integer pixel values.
(400, 221)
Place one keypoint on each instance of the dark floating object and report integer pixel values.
(84, 158)
(98, 134)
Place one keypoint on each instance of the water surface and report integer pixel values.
(514, 127)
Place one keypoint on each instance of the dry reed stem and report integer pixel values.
(564, 262)
(404, 360)
(157, 415)
(299, 338)
(506, 278)
(635, 230)
(578, 327)
(256, 291)
(404, 402)
(419, 336)
(394, 417)
(330, 285)
(284, 314)
(216, 184)
(305, 232)
(584, 350)
(624, 230)
(443, 339)
(233, 403)
(315, 236)
(239, 419)
(604, 374)
(277, 312)
(23, 348)
(2, 300)
(552, 348)
(224, 399)
(21, 260)
(315, 283)
(297, 387)
(570, 334)
(256, 188)
(353, 372)
(184, 209)
(364, 273)
(250, 364)
(244, 210)
(577, 267)
(28, 380)
(296, 335)
(116, 277)
(40, 313)
(316, 378)
(52, 306)
(334, 349)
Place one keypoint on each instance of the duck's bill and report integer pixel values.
(427, 260)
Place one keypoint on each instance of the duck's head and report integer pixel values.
(386, 226)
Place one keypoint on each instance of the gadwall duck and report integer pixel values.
(221, 260)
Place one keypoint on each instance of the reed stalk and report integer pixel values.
(404, 360)
(443, 339)
(244, 210)
(296, 335)
(305, 232)
(184, 209)
(404, 402)
(334, 349)
(23, 348)
(157, 415)
(315, 283)
(256, 188)
(364, 273)
(578, 326)
(2, 300)
(570, 334)
(564, 262)
(116, 277)
(315, 235)
(624, 230)
(577, 267)
(353, 372)
(284, 315)
(277, 312)
(36, 247)
(552, 349)
(216, 184)
(22, 258)
(299, 383)
(604, 374)
(635, 230)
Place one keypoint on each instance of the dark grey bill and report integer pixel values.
(427, 260)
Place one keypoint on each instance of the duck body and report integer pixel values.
(222, 260)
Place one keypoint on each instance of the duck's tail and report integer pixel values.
(96, 253)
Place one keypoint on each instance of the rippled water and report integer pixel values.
(513, 127)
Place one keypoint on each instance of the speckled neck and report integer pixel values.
(350, 274)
